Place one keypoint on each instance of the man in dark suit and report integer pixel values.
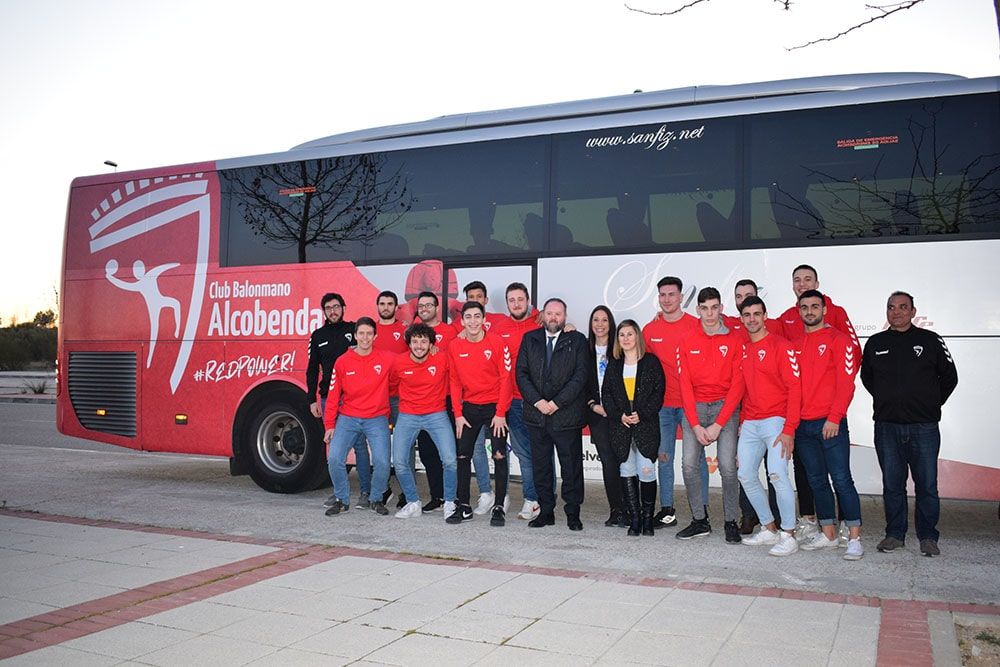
(551, 373)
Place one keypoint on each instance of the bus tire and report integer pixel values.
(283, 443)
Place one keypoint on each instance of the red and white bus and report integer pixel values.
(190, 292)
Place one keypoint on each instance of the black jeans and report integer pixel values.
(479, 416)
(568, 447)
(609, 470)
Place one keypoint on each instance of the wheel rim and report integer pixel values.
(281, 442)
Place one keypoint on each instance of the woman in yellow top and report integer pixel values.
(632, 395)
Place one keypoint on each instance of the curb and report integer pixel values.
(27, 399)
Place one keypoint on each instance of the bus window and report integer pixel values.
(673, 183)
(466, 199)
(895, 169)
(293, 212)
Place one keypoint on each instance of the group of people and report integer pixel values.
(764, 390)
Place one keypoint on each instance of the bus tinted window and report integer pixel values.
(903, 168)
(631, 187)
(309, 211)
(477, 198)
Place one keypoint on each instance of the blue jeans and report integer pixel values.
(438, 426)
(826, 461)
(637, 465)
(915, 447)
(757, 438)
(670, 419)
(520, 443)
(362, 461)
(346, 434)
(481, 462)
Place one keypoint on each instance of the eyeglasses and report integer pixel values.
(426, 306)
(333, 307)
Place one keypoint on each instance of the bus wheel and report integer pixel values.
(284, 444)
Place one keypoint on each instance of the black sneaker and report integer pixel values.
(337, 508)
(498, 518)
(331, 501)
(665, 518)
(929, 548)
(434, 504)
(379, 508)
(697, 528)
(733, 533)
(386, 496)
(462, 513)
(401, 503)
(889, 544)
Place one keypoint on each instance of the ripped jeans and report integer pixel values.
(638, 465)
(756, 441)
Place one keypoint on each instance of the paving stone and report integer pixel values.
(274, 628)
(475, 625)
(649, 649)
(60, 656)
(207, 650)
(556, 637)
(349, 640)
(68, 593)
(258, 596)
(798, 610)
(812, 636)
(291, 656)
(200, 617)
(129, 641)
(602, 614)
(331, 605)
(12, 609)
(516, 603)
(505, 656)
(402, 616)
(709, 603)
(739, 654)
(664, 621)
(605, 591)
(418, 649)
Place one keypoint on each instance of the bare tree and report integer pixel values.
(321, 203)
(879, 13)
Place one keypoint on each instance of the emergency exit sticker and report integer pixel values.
(867, 143)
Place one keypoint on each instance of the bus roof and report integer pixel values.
(635, 102)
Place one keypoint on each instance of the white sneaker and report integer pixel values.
(820, 541)
(843, 535)
(529, 510)
(409, 510)
(786, 546)
(485, 504)
(449, 508)
(854, 549)
(762, 537)
(805, 529)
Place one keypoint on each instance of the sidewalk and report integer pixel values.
(88, 592)
(16, 386)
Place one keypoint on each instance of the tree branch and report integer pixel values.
(670, 13)
(887, 10)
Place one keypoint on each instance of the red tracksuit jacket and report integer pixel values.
(362, 383)
(829, 361)
(421, 387)
(480, 373)
(793, 329)
(662, 338)
(770, 381)
(708, 368)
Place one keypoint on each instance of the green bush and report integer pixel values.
(23, 344)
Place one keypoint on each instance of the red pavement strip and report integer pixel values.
(904, 634)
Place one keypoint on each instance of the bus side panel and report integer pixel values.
(859, 278)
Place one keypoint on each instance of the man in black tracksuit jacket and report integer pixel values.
(910, 374)
(326, 344)
(551, 372)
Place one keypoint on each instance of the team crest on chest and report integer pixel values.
(822, 349)
(438, 338)
(378, 368)
(918, 349)
(724, 349)
(761, 354)
(395, 335)
(432, 370)
(487, 353)
(349, 337)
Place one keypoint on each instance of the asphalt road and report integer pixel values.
(43, 471)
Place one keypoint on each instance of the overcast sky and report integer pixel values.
(148, 83)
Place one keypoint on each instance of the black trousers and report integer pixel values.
(568, 446)
(746, 507)
(610, 470)
(478, 416)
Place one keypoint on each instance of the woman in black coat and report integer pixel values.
(632, 396)
(602, 326)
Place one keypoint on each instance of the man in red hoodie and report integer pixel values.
(829, 361)
(481, 388)
(358, 405)
(522, 318)
(708, 364)
(804, 278)
(772, 399)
